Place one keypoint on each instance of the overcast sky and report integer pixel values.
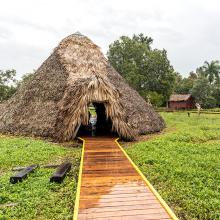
(188, 29)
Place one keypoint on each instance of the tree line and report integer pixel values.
(203, 84)
(148, 71)
(9, 84)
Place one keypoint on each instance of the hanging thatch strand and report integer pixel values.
(54, 102)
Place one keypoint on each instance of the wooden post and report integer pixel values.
(20, 176)
(61, 172)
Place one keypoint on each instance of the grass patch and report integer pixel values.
(184, 165)
(35, 197)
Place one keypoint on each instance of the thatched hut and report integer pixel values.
(54, 101)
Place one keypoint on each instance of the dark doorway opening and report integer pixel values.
(99, 124)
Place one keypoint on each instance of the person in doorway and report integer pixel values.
(93, 121)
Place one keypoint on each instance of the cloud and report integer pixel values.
(188, 30)
(25, 58)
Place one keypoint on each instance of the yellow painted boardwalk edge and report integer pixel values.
(76, 207)
(162, 202)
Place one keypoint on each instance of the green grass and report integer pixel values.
(184, 164)
(35, 197)
(92, 111)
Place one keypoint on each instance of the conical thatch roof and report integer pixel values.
(54, 102)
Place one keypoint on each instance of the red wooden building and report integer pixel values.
(180, 101)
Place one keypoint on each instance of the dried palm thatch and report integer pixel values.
(54, 102)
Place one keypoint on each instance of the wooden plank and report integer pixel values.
(102, 190)
(132, 217)
(114, 180)
(42, 166)
(118, 195)
(112, 184)
(20, 176)
(104, 153)
(146, 214)
(88, 204)
(113, 170)
(108, 175)
(117, 199)
(120, 208)
(106, 168)
(61, 172)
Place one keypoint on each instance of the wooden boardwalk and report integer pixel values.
(111, 187)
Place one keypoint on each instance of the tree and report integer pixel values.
(156, 99)
(7, 84)
(184, 85)
(216, 94)
(202, 92)
(211, 70)
(204, 85)
(145, 69)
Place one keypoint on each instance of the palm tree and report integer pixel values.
(211, 70)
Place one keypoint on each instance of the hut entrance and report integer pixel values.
(98, 124)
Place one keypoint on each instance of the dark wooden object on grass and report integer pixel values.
(20, 176)
(61, 172)
(42, 166)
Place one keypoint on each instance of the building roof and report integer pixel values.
(179, 97)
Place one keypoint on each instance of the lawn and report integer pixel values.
(36, 198)
(183, 164)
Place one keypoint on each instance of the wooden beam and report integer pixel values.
(43, 166)
(20, 176)
(61, 172)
